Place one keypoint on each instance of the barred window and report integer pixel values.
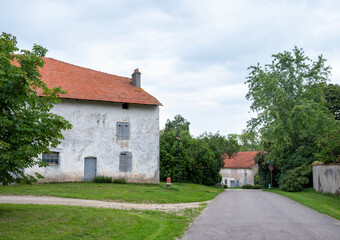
(51, 158)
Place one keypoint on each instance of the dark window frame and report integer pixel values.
(51, 158)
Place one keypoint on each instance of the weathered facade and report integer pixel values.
(326, 178)
(239, 170)
(115, 128)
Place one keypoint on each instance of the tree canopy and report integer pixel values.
(201, 158)
(292, 117)
(27, 127)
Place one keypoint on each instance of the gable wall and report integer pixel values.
(94, 135)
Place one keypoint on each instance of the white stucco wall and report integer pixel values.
(94, 135)
(238, 174)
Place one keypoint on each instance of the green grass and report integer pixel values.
(326, 203)
(138, 193)
(64, 222)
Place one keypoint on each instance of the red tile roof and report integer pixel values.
(240, 160)
(88, 84)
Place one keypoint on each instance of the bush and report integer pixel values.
(247, 186)
(257, 186)
(295, 180)
(225, 186)
(119, 180)
(102, 179)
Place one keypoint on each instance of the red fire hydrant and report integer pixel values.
(168, 181)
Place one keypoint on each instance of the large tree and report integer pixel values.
(27, 127)
(288, 96)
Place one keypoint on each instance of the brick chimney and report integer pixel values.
(136, 78)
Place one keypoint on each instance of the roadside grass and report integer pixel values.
(326, 203)
(65, 222)
(136, 193)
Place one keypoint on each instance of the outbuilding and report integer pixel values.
(239, 169)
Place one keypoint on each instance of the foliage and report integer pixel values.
(225, 186)
(325, 203)
(27, 127)
(66, 222)
(137, 193)
(179, 123)
(119, 181)
(292, 117)
(330, 147)
(200, 159)
(247, 186)
(257, 186)
(249, 140)
(263, 173)
(102, 179)
(296, 180)
(332, 93)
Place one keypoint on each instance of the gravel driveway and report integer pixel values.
(46, 200)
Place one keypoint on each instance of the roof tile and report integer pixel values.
(241, 160)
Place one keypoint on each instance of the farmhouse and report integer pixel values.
(115, 126)
(240, 169)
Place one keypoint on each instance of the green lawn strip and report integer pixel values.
(324, 203)
(138, 193)
(65, 222)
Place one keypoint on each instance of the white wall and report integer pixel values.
(94, 135)
(238, 175)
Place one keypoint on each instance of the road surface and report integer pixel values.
(255, 214)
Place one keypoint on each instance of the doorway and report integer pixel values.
(90, 168)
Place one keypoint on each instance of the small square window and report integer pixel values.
(125, 106)
(51, 158)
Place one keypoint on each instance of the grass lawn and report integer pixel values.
(65, 222)
(324, 203)
(138, 193)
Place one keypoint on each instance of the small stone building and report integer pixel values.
(240, 169)
(115, 126)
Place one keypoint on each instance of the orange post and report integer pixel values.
(168, 181)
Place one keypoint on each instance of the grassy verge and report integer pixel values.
(324, 203)
(64, 222)
(138, 193)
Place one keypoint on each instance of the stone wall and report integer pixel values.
(326, 178)
(94, 136)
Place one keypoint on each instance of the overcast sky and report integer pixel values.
(193, 55)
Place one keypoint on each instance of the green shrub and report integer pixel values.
(247, 186)
(102, 179)
(295, 180)
(119, 180)
(257, 186)
(225, 186)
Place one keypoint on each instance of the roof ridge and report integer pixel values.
(110, 74)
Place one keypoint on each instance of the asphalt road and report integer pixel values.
(255, 214)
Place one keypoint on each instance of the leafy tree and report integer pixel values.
(332, 95)
(179, 123)
(289, 99)
(249, 141)
(200, 158)
(27, 128)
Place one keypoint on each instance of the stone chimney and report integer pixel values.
(136, 78)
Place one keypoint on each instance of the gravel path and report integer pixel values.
(47, 200)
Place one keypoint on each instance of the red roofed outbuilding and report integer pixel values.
(239, 169)
(115, 129)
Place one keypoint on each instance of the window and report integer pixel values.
(125, 162)
(123, 130)
(226, 182)
(125, 106)
(51, 158)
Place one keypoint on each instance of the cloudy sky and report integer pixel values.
(193, 54)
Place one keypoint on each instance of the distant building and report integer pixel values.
(115, 126)
(240, 169)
